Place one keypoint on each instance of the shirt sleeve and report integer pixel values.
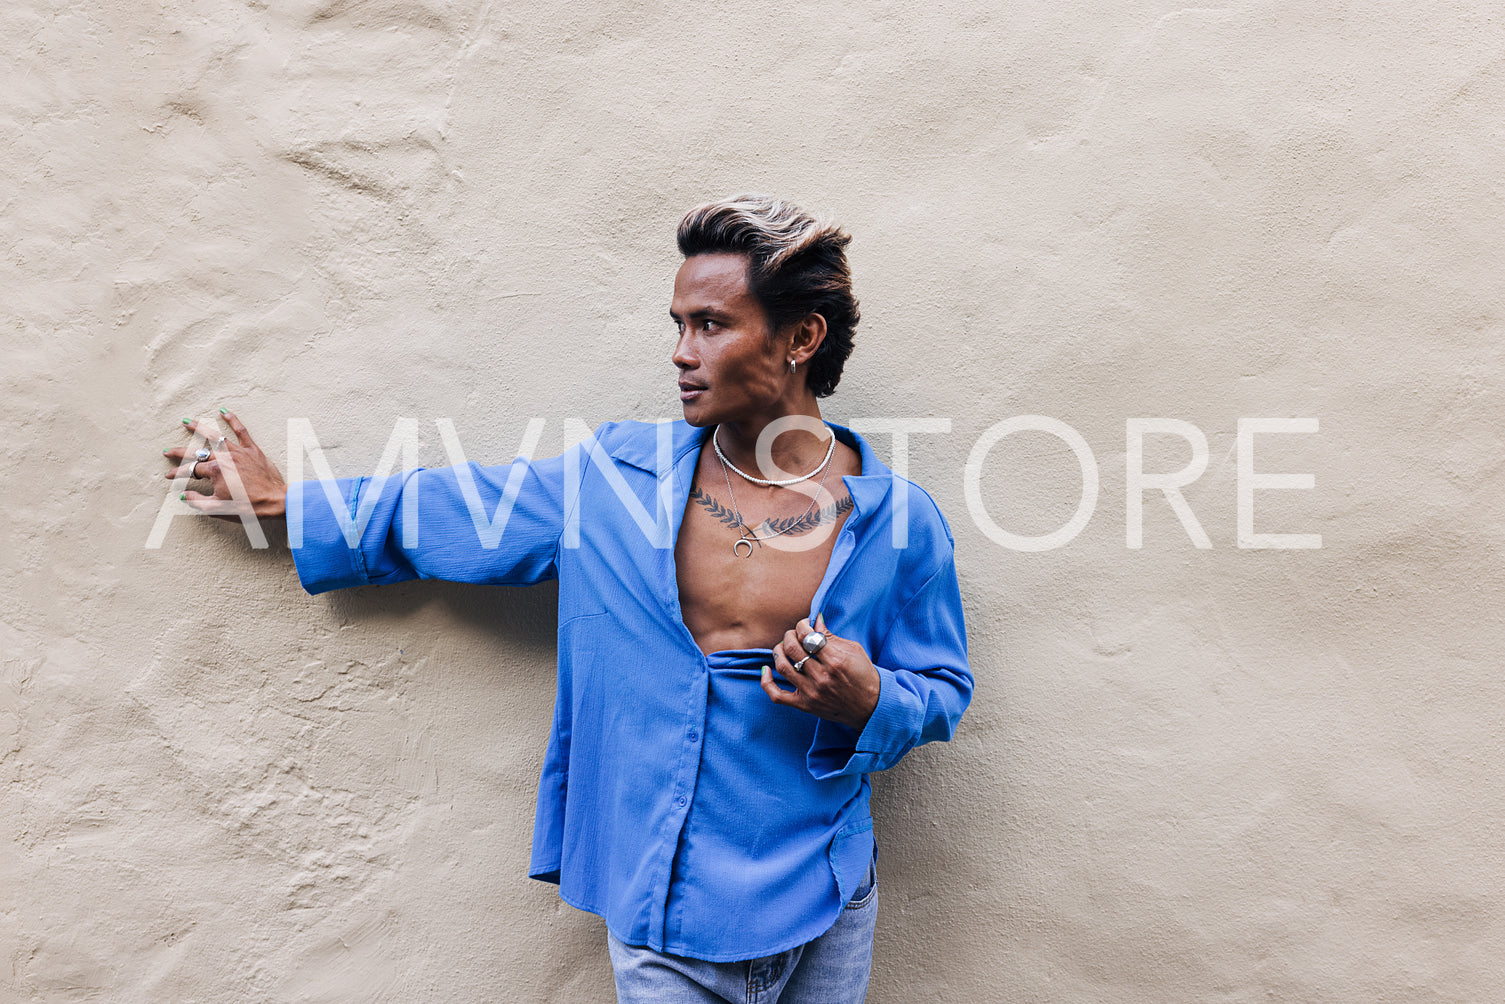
(924, 685)
(499, 525)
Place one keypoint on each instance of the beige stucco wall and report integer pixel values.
(1228, 774)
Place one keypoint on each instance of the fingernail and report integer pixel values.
(766, 671)
(222, 411)
(164, 453)
(183, 497)
(186, 422)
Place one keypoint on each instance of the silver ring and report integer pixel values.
(799, 667)
(193, 470)
(203, 453)
(221, 444)
(813, 642)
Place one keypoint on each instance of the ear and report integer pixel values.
(808, 335)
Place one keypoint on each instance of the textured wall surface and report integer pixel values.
(1189, 775)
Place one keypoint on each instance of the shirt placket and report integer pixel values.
(687, 771)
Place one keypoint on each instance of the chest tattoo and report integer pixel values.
(829, 513)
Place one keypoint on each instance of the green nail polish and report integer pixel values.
(183, 497)
(164, 453)
(186, 422)
(222, 411)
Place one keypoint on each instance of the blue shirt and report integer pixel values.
(677, 801)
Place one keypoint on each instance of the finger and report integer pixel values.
(775, 693)
(820, 625)
(211, 506)
(205, 471)
(802, 631)
(784, 666)
(237, 427)
(176, 452)
(791, 649)
(209, 433)
(186, 471)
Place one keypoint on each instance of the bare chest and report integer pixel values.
(749, 567)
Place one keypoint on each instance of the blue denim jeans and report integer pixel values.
(832, 969)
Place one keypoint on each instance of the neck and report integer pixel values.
(795, 451)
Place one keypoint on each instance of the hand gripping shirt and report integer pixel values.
(678, 802)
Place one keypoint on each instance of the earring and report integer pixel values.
(792, 365)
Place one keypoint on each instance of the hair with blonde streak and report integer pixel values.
(797, 266)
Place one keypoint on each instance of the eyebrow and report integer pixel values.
(712, 312)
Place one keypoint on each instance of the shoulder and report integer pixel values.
(901, 499)
(632, 431)
(928, 547)
(642, 444)
(614, 434)
(925, 517)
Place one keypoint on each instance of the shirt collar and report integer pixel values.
(641, 450)
(870, 488)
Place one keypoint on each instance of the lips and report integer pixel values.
(690, 391)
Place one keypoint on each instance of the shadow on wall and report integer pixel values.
(522, 619)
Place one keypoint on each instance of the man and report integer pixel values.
(744, 633)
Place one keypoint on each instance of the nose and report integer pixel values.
(683, 356)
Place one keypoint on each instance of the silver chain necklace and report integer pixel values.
(745, 536)
(767, 483)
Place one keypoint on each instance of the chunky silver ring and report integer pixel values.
(813, 642)
(193, 470)
(203, 453)
(799, 667)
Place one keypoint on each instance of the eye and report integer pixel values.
(706, 324)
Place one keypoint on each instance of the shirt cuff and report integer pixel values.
(839, 750)
(316, 533)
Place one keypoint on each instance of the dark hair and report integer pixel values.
(797, 265)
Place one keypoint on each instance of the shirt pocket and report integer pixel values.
(851, 856)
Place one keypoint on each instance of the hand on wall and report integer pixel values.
(236, 469)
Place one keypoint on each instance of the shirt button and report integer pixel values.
(680, 801)
(694, 735)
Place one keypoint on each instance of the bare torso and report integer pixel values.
(731, 602)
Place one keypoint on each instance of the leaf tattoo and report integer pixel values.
(782, 526)
(716, 509)
(811, 520)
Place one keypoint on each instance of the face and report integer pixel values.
(729, 369)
